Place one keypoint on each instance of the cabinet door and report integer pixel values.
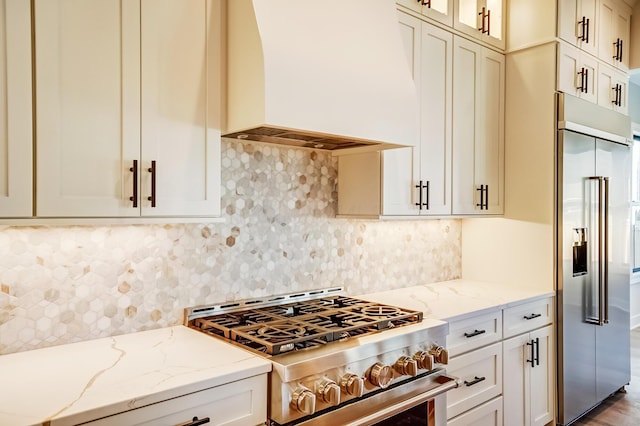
(181, 106)
(516, 370)
(614, 28)
(438, 10)
(435, 118)
(612, 89)
(478, 129)
(15, 109)
(87, 87)
(542, 384)
(482, 19)
(577, 23)
(577, 73)
(401, 167)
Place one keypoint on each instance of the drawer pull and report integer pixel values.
(532, 316)
(475, 333)
(197, 422)
(476, 380)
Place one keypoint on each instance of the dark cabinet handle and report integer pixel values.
(535, 352)
(474, 333)
(618, 45)
(584, 23)
(484, 197)
(476, 380)
(488, 22)
(420, 186)
(134, 197)
(152, 170)
(197, 422)
(483, 15)
(532, 316)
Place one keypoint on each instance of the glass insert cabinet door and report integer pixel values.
(483, 19)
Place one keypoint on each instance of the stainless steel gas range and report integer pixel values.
(338, 359)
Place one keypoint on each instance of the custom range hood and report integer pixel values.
(324, 74)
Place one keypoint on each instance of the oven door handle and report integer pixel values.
(447, 383)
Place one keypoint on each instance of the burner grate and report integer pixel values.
(273, 330)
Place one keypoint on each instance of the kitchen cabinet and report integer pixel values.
(577, 73)
(528, 363)
(475, 349)
(238, 403)
(416, 180)
(528, 360)
(577, 23)
(16, 139)
(484, 20)
(128, 108)
(614, 33)
(478, 129)
(613, 87)
(438, 10)
(487, 414)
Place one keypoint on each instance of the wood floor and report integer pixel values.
(621, 409)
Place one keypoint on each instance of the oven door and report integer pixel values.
(420, 401)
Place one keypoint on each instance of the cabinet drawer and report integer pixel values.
(481, 374)
(488, 414)
(239, 403)
(528, 316)
(471, 333)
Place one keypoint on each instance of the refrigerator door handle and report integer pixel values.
(605, 254)
(599, 320)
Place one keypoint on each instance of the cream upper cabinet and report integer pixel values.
(425, 187)
(416, 180)
(613, 86)
(614, 33)
(478, 129)
(15, 109)
(577, 73)
(482, 19)
(577, 23)
(128, 108)
(439, 10)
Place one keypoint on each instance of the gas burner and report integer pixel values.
(381, 311)
(281, 331)
(303, 324)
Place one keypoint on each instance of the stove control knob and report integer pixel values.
(304, 401)
(329, 392)
(407, 366)
(440, 354)
(352, 385)
(380, 375)
(424, 360)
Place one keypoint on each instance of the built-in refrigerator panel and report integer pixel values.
(613, 339)
(576, 351)
(593, 271)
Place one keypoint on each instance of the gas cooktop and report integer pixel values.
(272, 330)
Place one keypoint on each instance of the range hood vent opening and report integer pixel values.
(329, 74)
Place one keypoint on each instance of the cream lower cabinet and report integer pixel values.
(475, 351)
(478, 129)
(241, 403)
(528, 357)
(16, 139)
(128, 108)
(528, 377)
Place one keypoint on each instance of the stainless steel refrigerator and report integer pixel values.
(593, 258)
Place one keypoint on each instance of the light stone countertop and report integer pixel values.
(72, 383)
(457, 299)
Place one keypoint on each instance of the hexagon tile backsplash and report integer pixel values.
(66, 284)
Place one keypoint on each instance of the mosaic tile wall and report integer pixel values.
(66, 284)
